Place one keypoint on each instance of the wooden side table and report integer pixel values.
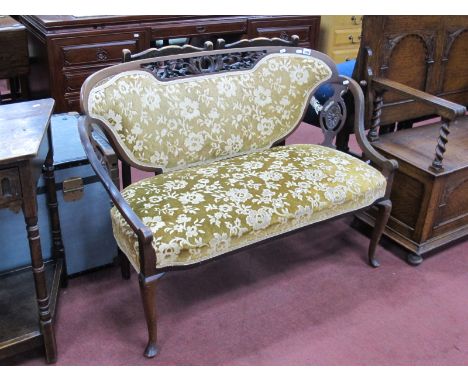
(26, 152)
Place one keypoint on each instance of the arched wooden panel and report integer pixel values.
(399, 51)
(455, 61)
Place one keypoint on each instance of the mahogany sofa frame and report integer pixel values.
(149, 274)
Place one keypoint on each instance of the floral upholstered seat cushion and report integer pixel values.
(202, 212)
(194, 120)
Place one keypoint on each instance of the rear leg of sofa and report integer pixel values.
(148, 295)
(124, 265)
(384, 209)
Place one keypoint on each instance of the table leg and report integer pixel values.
(58, 251)
(42, 295)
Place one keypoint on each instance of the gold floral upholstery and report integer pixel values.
(190, 121)
(201, 212)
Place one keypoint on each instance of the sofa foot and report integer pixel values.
(151, 350)
(384, 207)
(374, 263)
(414, 259)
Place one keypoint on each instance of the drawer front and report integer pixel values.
(347, 37)
(342, 55)
(347, 21)
(72, 80)
(286, 32)
(99, 49)
(306, 28)
(96, 53)
(10, 189)
(72, 102)
(219, 26)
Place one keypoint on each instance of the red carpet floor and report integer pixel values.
(307, 299)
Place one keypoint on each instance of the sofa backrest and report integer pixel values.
(171, 123)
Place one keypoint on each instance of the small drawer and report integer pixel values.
(285, 33)
(342, 55)
(73, 102)
(220, 26)
(347, 37)
(72, 80)
(110, 52)
(347, 21)
(10, 187)
(307, 28)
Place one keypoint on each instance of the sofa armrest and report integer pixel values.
(144, 234)
(442, 107)
(387, 166)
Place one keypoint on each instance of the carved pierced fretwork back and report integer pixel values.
(203, 64)
(184, 67)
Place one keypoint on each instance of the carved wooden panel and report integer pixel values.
(453, 206)
(406, 200)
(333, 114)
(10, 188)
(455, 61)
(417, 48)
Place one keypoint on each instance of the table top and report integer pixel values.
(22, 128)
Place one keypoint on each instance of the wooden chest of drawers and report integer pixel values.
(67, 49)
(340, 37)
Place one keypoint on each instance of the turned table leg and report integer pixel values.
(42, 295)
(58, 251)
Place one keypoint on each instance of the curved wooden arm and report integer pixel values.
(144, 234)
(388, 166)
(442, 107)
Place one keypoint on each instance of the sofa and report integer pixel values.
(209, 125)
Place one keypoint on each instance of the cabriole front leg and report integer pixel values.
(148, 296)
(384, 209)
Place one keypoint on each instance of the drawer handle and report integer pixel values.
(102, 55)
(355, 21)
(200, 28)
(351, 38)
